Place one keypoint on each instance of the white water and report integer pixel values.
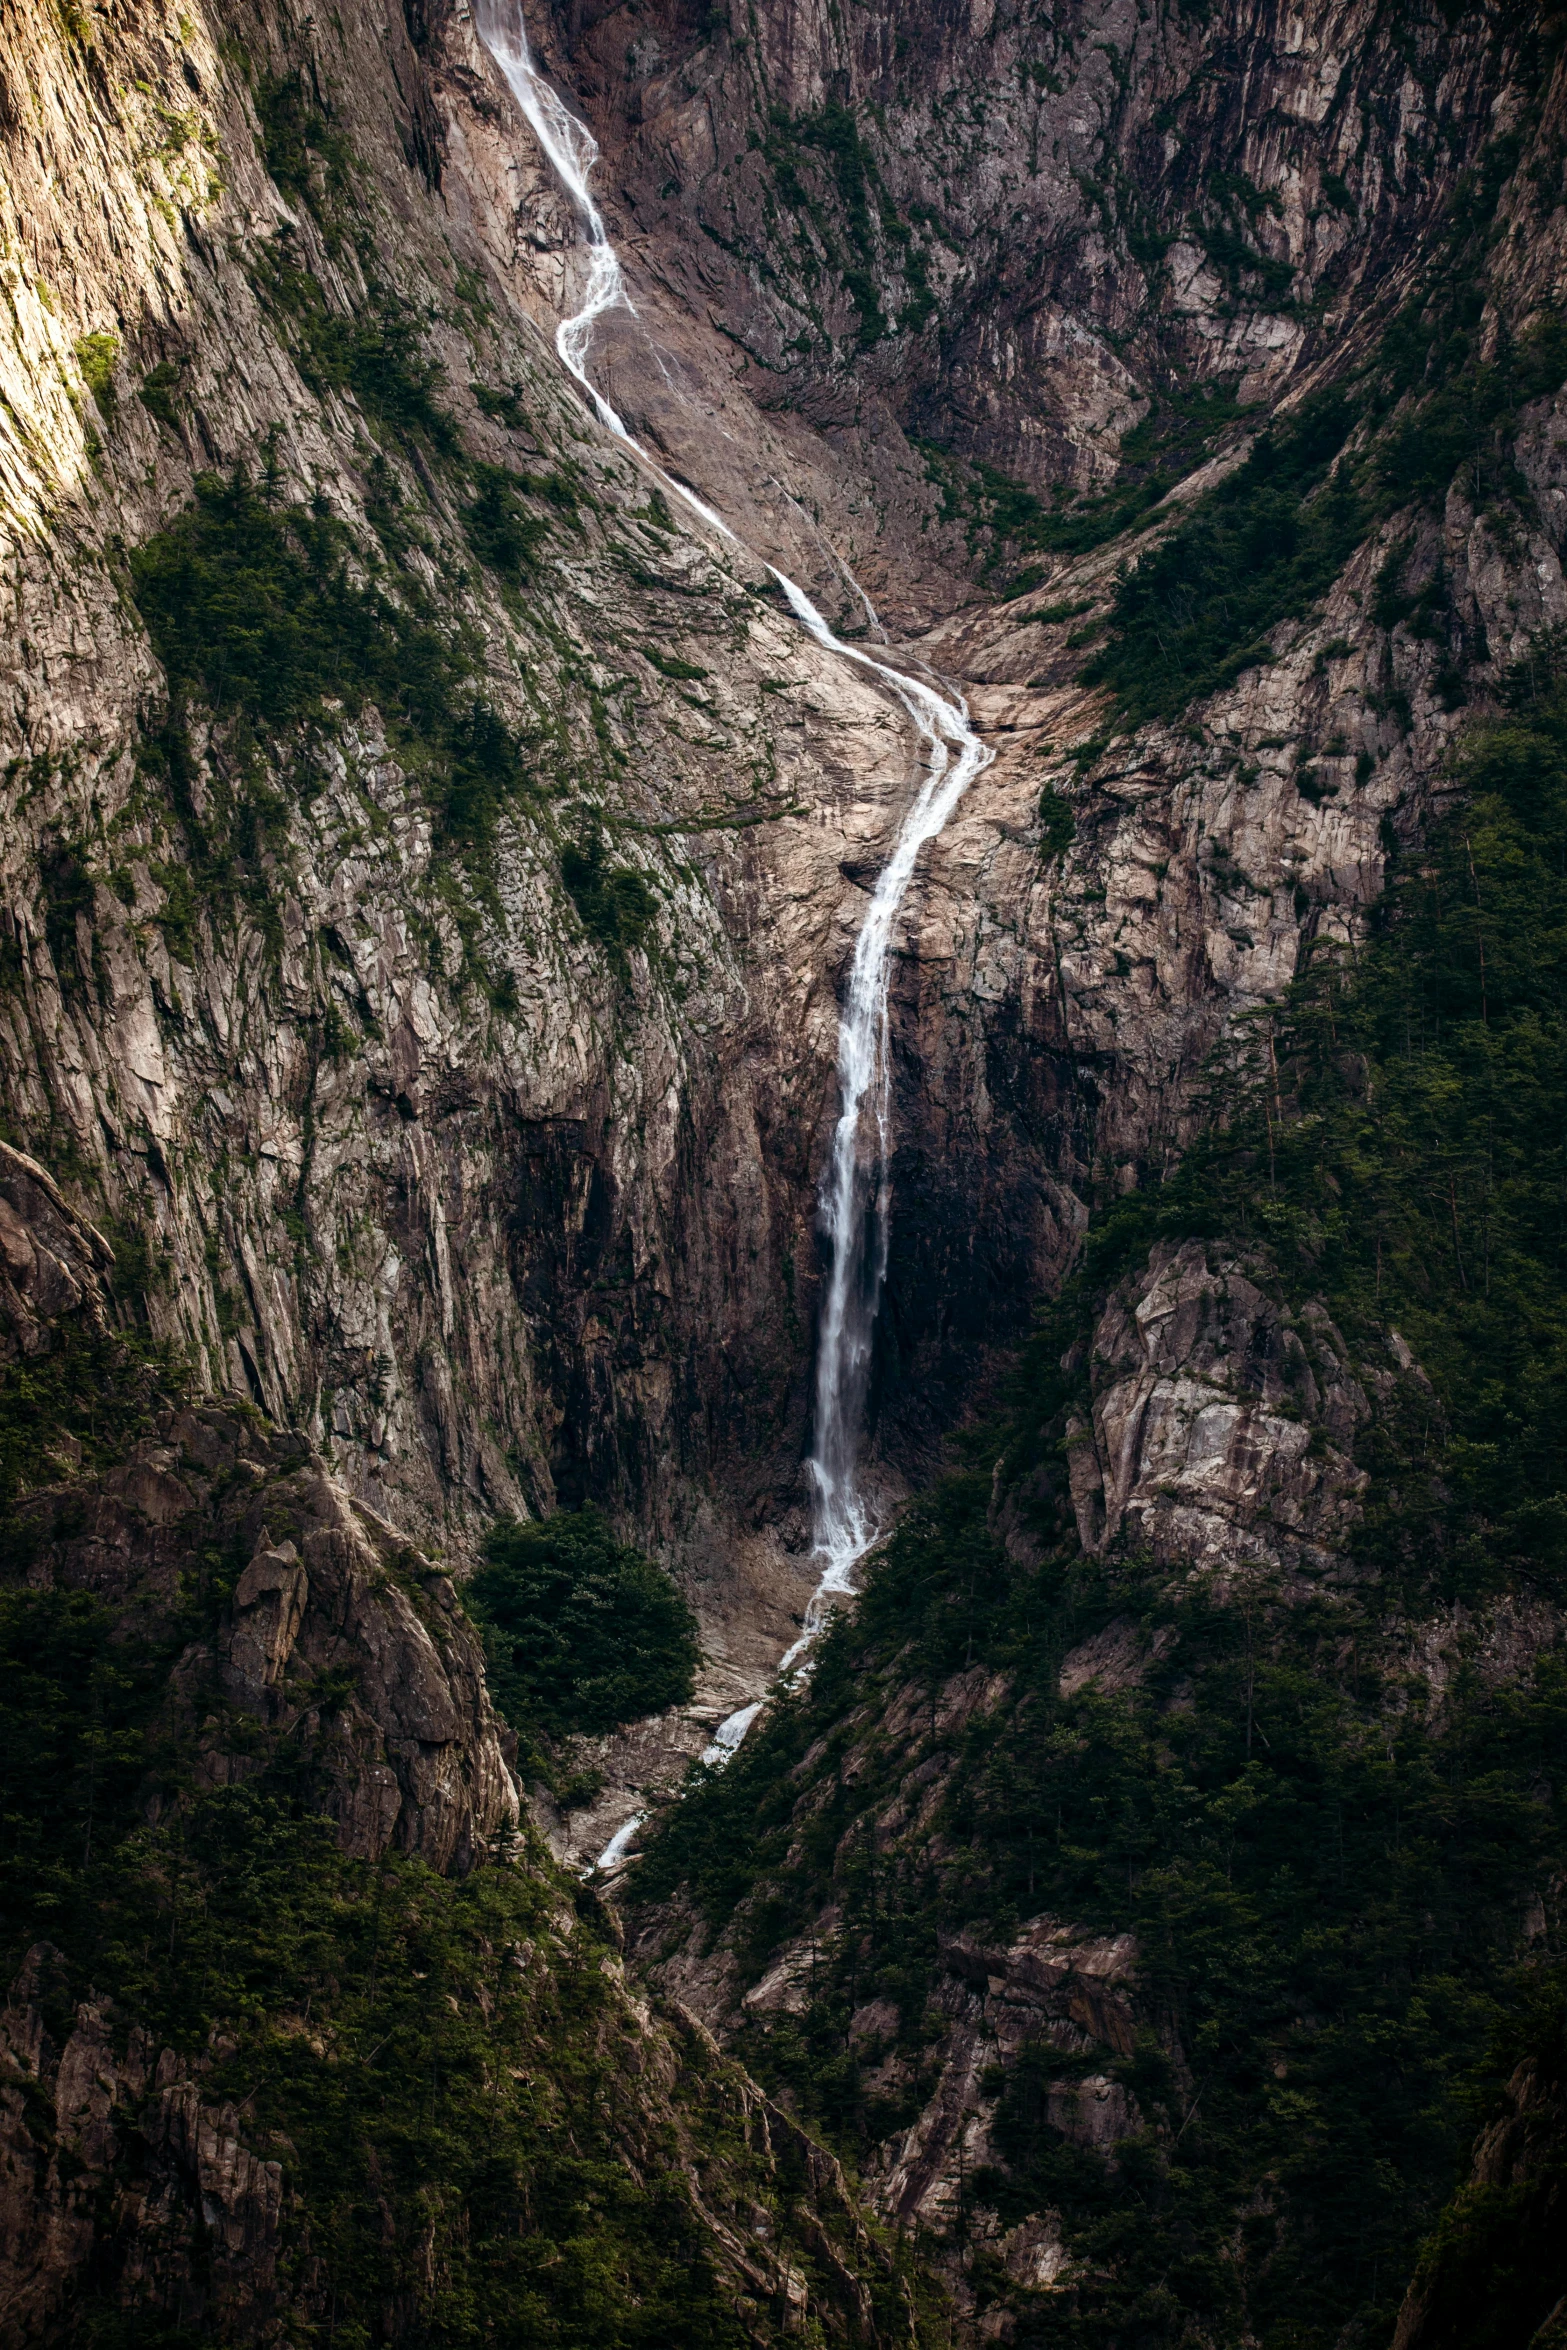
(855, 1186)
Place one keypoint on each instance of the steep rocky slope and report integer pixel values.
(1132, 1905)
(500, 1181)
(431, 859)
(299, 1968)
(1495, 2272)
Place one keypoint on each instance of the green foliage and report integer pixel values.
(472, 2126)
(1324, 1895)
(459, 2104)
(1058, 824)
(76, 1702)
(1458, 431)
(69, 898)
(1009, 521)
(580, 1632)
(831, 137)
(504, 406)
(310, 163)
(1394, 1136)
(1240, 264)
(1265, 543)
(671, 665)
(88, 1397)
(377, 353)
(380, 359)
(614, 904)
(256, 609)
(251, 607)
(500, 529)
(1269, 540)
(97, 357)
(1496, 2265)
(159, 393)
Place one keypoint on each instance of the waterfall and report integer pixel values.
(855, 1185)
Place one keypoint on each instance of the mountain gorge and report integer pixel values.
(434, 851)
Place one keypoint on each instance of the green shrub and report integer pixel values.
(377, 354)
(614, 903)
(1058, 824)
(1263, 544)
(159, 390)
(671, 665)
(253, 608)
(310, 163)
(500, 529)
(581, 1633)
(460, 2108)
(97, 357)
(76, 1703)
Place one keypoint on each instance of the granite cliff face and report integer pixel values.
(154, 2176)
(431, 858)
(497, 1204)
(1025, 235)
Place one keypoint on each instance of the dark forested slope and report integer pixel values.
(1139, 1883)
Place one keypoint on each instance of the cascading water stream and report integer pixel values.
(854, 1192)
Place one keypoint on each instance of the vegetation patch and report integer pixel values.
(97, 356)
(614, 903)
(310, 162)
(1195, 610)
(1269, 540)
(1324, 1872)
(876, 232)
(1390, 1134)
(504, 533)
(1006, 522)
(581, 1633)
(79, 1405)
(159, 393)
(260, 610)
(1057, 824)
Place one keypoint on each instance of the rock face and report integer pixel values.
(1219, 1427)
(1497, 2260)
(199, 2235)
(497, 1211)
(322, 1626)
(450, 1076)
(311, 1646)
(1014, 231)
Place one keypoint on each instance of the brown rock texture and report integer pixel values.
(197, 2233)
(1218, 1427)
(135, 2190)
(494, 1216)
(1497, 2259)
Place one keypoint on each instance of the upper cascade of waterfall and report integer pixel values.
(855, 1187)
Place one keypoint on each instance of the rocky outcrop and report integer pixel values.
(1496, 2263)
(1015, 231)
(52, 1261)
(148, 2177)
(315, 1622)
(333, 1632)
(1053, 1988)
(112, 2163)
(1223, 1426)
